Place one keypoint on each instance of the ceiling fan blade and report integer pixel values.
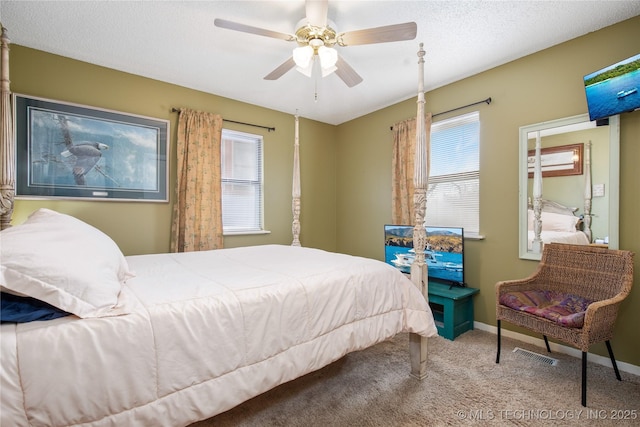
(230, 25)
(317, 12)
(346, 73)
(281, 70)
(388, 33)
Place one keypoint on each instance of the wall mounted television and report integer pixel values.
(614, 89)
(444, 254)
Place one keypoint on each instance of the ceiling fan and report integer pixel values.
(316, 39)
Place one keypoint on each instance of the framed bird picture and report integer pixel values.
(72, 151)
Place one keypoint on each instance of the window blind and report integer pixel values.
(242, 182)
(453, 197)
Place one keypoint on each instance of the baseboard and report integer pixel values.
(600, 360)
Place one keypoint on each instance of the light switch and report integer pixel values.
(597, 190)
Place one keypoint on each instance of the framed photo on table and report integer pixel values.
(74, 151)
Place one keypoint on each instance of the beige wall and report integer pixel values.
(145, 227)
(540, 87)
(346, 170)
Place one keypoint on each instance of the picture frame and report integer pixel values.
(563, 160)
(74, 151)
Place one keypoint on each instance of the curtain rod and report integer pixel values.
(488, 101)
(177, 110)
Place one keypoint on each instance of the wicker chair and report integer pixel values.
(597, 277)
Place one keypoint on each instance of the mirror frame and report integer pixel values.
(614, 178)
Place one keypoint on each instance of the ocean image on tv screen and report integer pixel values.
(614, 89)
(444, 254)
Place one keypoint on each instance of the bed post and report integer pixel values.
(7, 151)
(295, 193)
(587, 192)
(536, 245)
(419, 273)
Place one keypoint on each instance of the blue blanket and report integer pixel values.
(15, 309)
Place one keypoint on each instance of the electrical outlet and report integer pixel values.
(597, 190)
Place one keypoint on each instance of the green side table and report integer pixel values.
(452, 308)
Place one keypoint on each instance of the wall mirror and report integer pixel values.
(569, 183)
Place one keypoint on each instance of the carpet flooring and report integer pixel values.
(464, 387)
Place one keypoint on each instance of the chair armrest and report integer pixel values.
(601, 315)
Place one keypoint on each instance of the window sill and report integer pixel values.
(245, 233)
(474, 237)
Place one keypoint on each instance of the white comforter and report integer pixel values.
(209, 330)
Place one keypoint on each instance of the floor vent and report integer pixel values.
(535, 356)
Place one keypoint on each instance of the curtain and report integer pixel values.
(197, 213)
(402, 169)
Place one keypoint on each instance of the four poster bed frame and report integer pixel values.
(7, 148)
(171, 339)
(419, 273)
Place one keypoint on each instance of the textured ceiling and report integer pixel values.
(176, 42)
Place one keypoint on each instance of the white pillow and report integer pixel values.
(559, 222)
(63, 261)
(555, 222)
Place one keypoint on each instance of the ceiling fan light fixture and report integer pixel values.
(315, 36)
(328, 57)
(302, 56)
(308, 70)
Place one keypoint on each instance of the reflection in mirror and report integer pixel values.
(569, 183)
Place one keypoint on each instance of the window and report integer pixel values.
(453, 197)
(242, 184)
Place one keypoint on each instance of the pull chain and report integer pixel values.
(316, 72)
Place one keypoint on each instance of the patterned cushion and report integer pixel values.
(566, 309)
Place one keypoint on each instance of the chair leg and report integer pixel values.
(613, 360)
(498, 353)
(546, 341)
(584, 378)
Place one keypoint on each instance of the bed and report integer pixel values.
(171, 339)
